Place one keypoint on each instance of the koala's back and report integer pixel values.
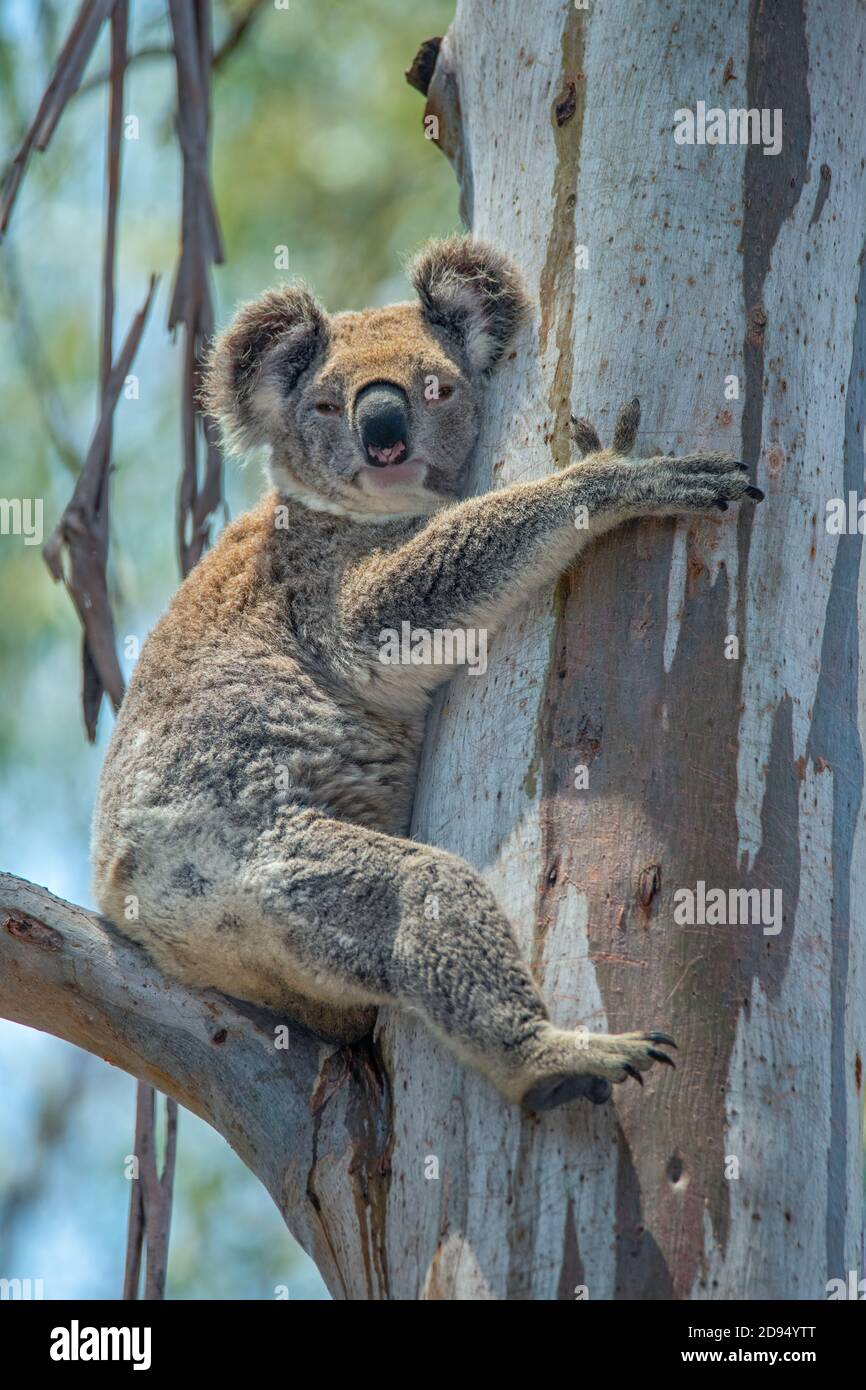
(235, 719)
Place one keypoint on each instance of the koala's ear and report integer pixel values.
(473, 292)
(255, 362)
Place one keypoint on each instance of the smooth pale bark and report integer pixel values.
(703, 263)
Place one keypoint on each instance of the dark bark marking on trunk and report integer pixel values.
(695, 837)
(649, 886)
(572, 1272)
(776, 77)
(556, 295)
(640, 1263)
(835, 737)
(32, 932)
(334, 1071)
(823, 193)
(777, 863)
(602, 855)
(370, 1119)
(566, 104)
(522, 1226)
(556, 290)
(579, 1130)
(706, 974)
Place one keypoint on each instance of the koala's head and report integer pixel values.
(372, 413)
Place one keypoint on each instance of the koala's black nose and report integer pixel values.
(382, 420)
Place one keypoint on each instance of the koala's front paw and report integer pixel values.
(697, 483)
(667, 485)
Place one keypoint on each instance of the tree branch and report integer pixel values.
(191, 302)
(65, 79)
(82, 532)
(311, 1120)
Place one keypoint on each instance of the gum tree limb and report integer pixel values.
(306, 1115)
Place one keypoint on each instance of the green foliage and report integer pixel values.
(319, 146)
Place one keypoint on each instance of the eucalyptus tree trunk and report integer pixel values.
(687, 709)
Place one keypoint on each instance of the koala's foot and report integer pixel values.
(583, 1066)
(559, 1090)
(666, 485)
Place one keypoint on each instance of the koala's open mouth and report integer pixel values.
(391, 455)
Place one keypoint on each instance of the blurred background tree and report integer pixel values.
(317, 147)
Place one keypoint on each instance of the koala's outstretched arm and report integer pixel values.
(476, 561)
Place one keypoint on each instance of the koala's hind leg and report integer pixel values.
(368, 918)
(175, 881)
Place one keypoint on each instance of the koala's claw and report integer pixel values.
(626, 427)
(625, 431)
(628, 1055)
(697, 483)
(661, 1057)
(585, 437)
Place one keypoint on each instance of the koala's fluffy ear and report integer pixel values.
(472, 292)
(258, 359)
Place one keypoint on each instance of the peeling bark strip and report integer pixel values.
(746, 773)
(200, 248)
(82, 534)
(65, 79)
(443, 103)
(84, 527)
(93, 684)
(420, 71)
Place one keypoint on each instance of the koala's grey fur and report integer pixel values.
(259, 782)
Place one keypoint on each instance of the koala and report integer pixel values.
(255, 800)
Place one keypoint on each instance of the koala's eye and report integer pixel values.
(327, 408)
(442, 395)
